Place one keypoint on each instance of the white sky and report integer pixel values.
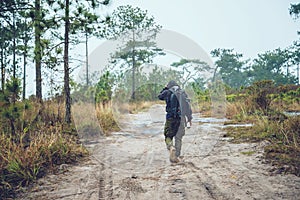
(248, 26)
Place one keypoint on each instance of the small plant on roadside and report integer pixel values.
(259, 92)
(106, 118)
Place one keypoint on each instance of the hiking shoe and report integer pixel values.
(173, 157)
(176, 160)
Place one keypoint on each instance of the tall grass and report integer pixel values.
(237, 111)
(136, 106)
(41, 143)
(204, 107)
(86, 121)
(109, 114)
(284, 137)
(107, 118)
(281, 132)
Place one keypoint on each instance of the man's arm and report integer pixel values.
(163, 94)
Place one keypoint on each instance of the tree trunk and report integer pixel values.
(133, 78)
(87, 58)
(12, 127)
(66, 66)
(2, 70)
(24, 68)
(298, 82)
(38, 50)
(14, 45)
(215, 73)
(133, 66)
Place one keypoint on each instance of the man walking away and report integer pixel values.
(178, 111)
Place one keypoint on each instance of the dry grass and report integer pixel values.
(281, 132)
(202, 107)
(139, 106)
(235, 109)
(107, 118)
(86, 121)
(284, 140)
(109, 114)
(280, 105)
(42, 142)
(284, 148)
(92, 120)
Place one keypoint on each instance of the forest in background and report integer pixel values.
(37, 134)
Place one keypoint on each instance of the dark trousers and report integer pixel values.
(171, 129)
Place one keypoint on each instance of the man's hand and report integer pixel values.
(189, 124)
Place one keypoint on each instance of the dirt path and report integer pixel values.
(134, 164)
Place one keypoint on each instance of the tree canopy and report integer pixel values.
(136, 30)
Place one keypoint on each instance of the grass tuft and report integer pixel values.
(40, 143)
(106, 118)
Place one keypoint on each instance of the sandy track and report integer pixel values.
(133, 164)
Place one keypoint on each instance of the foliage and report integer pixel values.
(148, 92)
(101, 92)
(104, 88)
(11, 109)
(258, 93)
(271, 66)
(40, 143)
(286, 97)
(149, 82)
(21, 165)
(294, 52)
(295, 10)
(39, 23)
(264, 105)
(128, 20)
(283, 141)
(14, 38)
(137, 30)
(231, 69)
(33, 138)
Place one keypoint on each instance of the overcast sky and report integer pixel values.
(248, 26)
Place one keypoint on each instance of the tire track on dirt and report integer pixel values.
(198, 179)
(104, 173)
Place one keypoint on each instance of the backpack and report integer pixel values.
(184, 102)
